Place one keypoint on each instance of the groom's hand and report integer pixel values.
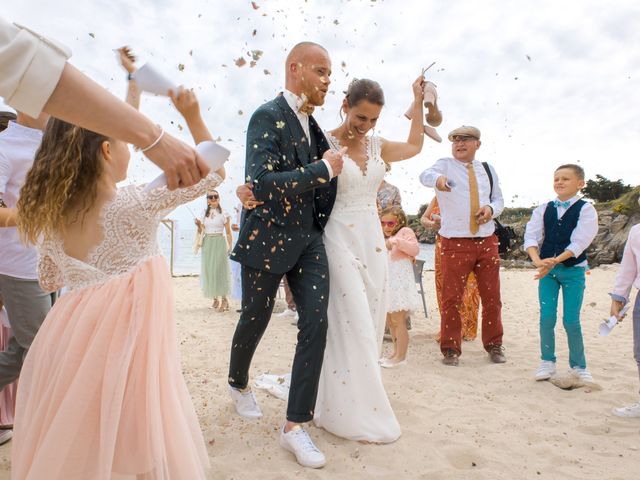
(246, 197)
(335, 160)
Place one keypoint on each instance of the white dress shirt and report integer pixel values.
(31, 66)
(455, 206)
(295, 102)
(581, 237)
(18, 146)
(629, 272)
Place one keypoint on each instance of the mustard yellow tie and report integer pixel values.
(474, 199)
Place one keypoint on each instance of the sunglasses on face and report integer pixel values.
(390, 224)
(462, 138)
(213, 197)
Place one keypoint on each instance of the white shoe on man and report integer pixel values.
(287, 313)
(546, 370)
(245, 403)
(5, 436)
(630, 411)
(298, 442)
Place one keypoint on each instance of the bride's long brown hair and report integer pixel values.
(63, 180)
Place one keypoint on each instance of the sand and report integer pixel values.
(476, 421)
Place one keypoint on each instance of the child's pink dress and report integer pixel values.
(101, 392)
(403, 294)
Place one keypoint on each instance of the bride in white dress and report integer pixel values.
(352, 402)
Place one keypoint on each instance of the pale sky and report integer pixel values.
(547, 82)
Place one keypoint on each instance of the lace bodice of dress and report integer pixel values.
(357, 189)
(130, 223)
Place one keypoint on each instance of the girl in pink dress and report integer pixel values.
(101, 393)
(403, 247)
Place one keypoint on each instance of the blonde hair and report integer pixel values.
(64, 176)
(397, 212)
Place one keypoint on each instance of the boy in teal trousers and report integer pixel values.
(556, 238)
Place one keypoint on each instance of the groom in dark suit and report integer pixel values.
(292, 173)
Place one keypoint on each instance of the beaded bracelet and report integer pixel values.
(156, 141)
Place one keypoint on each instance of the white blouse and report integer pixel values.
(215, 222)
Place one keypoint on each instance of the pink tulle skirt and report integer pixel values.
(101, 393)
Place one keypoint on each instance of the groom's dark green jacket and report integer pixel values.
(285, 170)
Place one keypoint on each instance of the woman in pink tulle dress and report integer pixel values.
(101, 392)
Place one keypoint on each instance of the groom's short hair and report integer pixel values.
(299, 46)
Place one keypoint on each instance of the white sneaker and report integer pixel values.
(546, 370)
(388, 363)
(584, 374)
(245, 403)
(630, 411)
(298, 442)
(5, 436)
(287, 314)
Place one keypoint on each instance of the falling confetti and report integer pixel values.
(255, 5)
(240, 62)
(266, 72)
(256, 54)
(181, 67)
(92, 35)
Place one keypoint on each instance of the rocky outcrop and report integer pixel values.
(607, 247)
(612, 236)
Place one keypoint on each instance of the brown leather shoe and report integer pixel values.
(451, 358)
(496, 354)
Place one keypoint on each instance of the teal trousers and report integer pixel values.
(571, 281)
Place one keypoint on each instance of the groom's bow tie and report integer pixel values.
(304, 106)
(558, 203)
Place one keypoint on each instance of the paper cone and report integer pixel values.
(151, 80)
(213, 154)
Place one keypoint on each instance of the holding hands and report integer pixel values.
(544, 267)
(335, 160)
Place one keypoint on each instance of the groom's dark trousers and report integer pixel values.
(284, 237)
(311, 293)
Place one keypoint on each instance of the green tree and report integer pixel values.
(603, 190)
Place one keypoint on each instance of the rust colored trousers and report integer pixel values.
(461, 256)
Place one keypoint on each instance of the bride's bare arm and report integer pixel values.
(396, 151)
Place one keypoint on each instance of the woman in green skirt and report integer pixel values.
(215, 272)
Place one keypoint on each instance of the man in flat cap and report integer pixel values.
(470, 198)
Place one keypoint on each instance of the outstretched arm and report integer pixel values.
(396, 151)
(128, 62)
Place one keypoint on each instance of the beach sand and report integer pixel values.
(477, 421)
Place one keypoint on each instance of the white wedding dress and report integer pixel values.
(352, 402)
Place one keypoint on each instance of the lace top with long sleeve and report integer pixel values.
(130, 223)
